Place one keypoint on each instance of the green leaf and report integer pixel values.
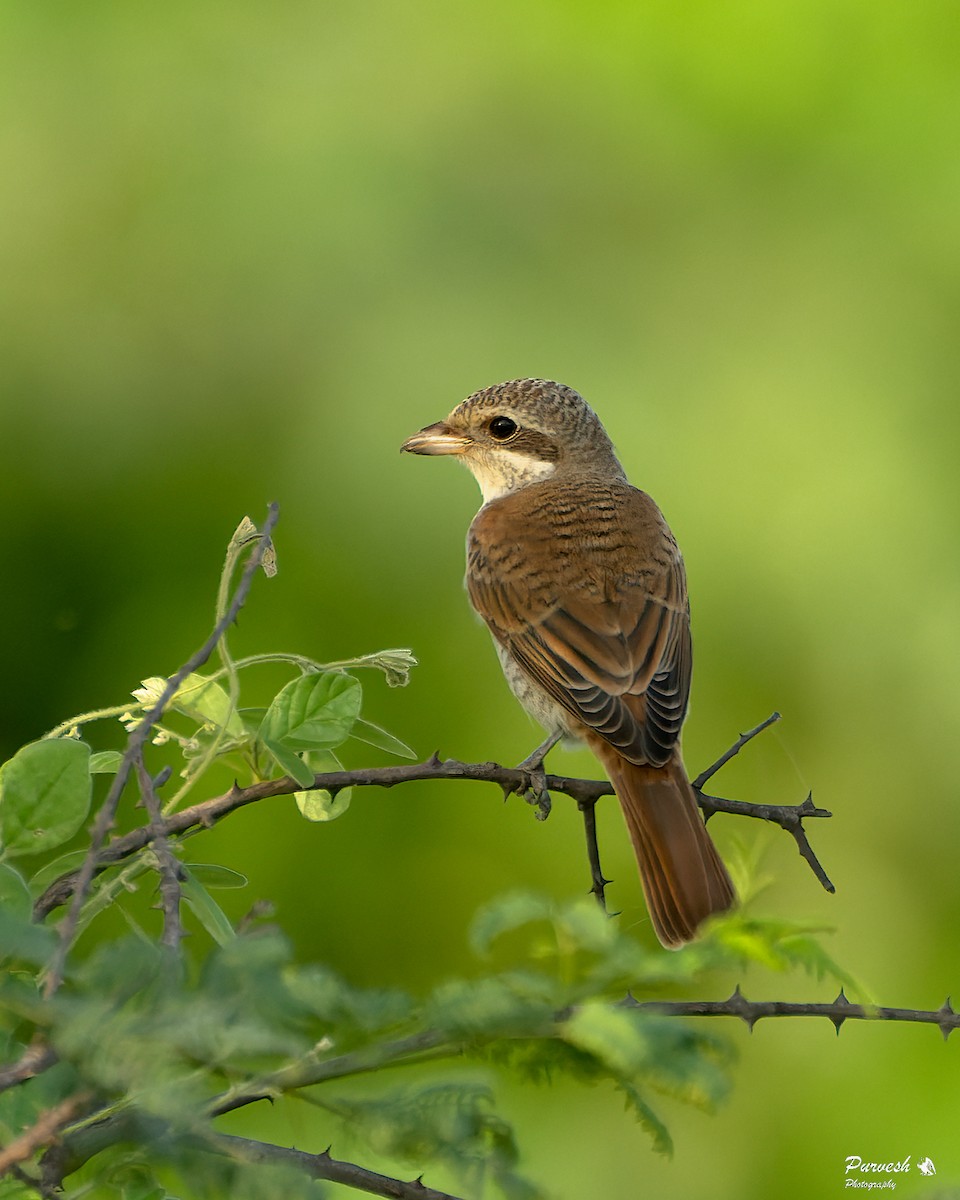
(13, 1189)
(132, 1180)
(105, 762)
(609, 1034)
(21, 939)
(325, 995)
(44, 795)
(212, 875)
(290, 763)
(508, 913)
(451, 1122)
(111, 885)
(487, 1007)
(252, 719)
(205, 701)
(780, 945)
(662, 1141)
(14, 893)
(373, 735)
(584, 926)
(210, 915)
(314, 712)
(319, 804)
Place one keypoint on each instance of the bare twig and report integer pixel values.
(46, 1129)
(734, 750)
(168, 866)
(135, 743)
(322, 1166)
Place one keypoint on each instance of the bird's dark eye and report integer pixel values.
(502, 428)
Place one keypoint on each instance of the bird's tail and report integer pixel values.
(684, 879)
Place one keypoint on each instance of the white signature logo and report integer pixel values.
(858, 1171)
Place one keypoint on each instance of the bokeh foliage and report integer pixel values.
(247, 249)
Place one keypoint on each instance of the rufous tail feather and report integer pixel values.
(684, 879)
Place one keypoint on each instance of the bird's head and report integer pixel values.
(522, 432)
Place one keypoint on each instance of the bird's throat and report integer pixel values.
(506, 472)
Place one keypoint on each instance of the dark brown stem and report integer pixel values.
(734, 750)
(598, 883)
(788, 816)
(168, 866)
(322, 1166)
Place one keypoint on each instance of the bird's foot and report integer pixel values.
(535, 790)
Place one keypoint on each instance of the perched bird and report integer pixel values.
(582, 585)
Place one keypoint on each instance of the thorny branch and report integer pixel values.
(840, 1010)
(322, 1166)
(586, 792)
(787, 816)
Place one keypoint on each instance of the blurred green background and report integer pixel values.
(246, 249)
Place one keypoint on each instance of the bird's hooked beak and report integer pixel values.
(437, 439)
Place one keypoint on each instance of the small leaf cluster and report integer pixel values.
(554, 1006)
(47, 787)
(159, 1050)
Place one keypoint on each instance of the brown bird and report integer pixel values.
(583, 587)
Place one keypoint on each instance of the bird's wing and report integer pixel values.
(609, 643)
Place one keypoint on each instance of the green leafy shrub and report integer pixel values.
(122, 1054)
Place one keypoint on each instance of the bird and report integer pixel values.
(582, 585)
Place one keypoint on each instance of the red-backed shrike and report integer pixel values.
(582, 585)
